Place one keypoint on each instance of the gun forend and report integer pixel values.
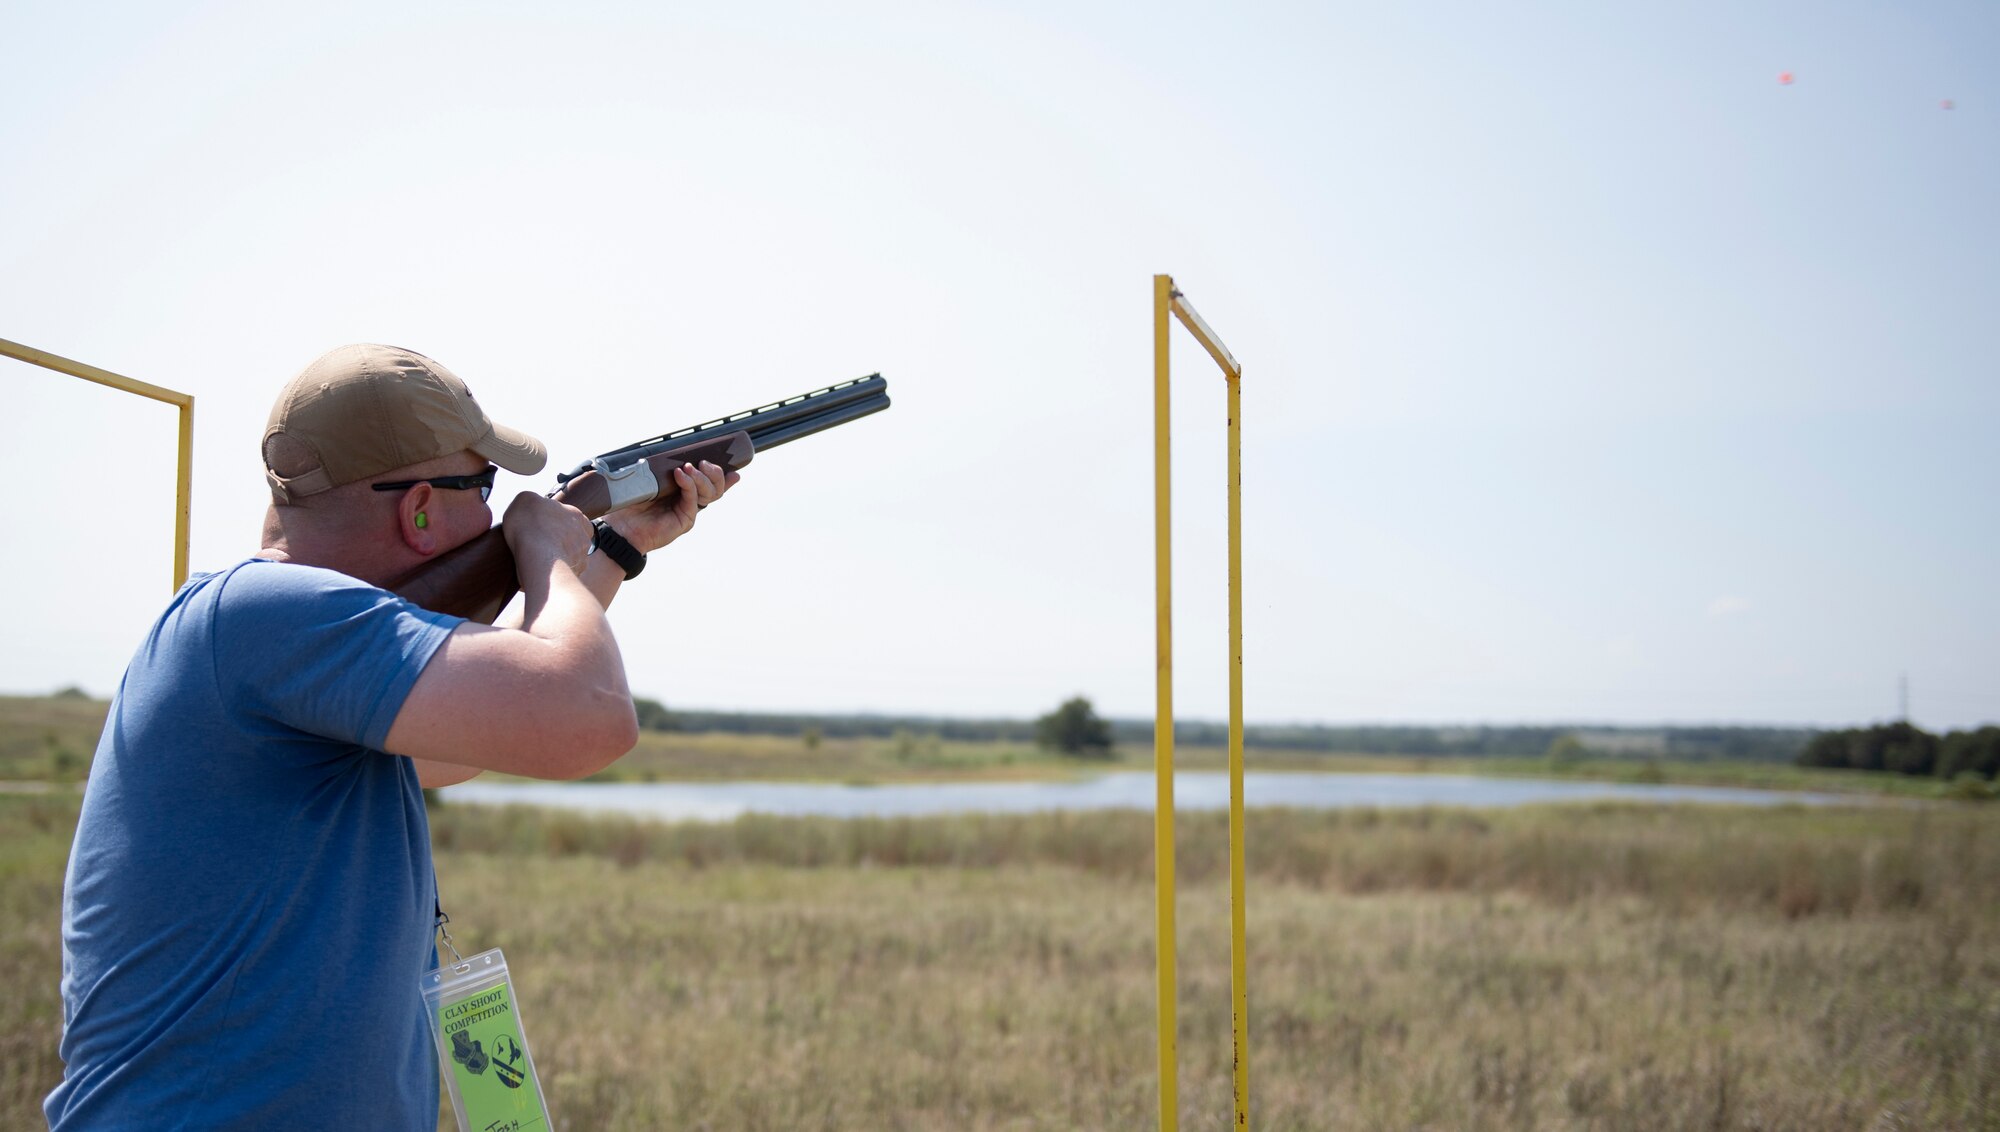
(605, 487)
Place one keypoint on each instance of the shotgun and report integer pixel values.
(477, 580)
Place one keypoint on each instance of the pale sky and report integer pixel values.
(1591, 373)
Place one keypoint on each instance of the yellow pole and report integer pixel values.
(1238, 960)
(1232, 373)
(91, 373)
(1163, 712)
(184, 476)
(183, 493)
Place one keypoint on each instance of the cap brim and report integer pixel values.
(515, 451)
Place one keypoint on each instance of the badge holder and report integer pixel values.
(476, 1021)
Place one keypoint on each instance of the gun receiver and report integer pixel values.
(477, 580)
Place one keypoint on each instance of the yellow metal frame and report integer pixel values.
(1167, 300)
(184, 480)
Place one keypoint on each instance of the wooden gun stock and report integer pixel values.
(477, 580)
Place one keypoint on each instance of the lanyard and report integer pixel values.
(444, 933)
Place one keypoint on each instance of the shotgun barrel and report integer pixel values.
(477, 580)
(768, 425)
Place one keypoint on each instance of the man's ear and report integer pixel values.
(417, 535)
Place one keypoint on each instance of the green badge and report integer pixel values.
(482, 1048)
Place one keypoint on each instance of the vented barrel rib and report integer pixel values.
(768, 425)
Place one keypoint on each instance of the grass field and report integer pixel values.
(1597, 967)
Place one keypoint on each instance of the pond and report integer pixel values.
(1193, 790)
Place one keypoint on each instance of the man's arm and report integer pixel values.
(431, 775)
(547, 700)
(544, 697)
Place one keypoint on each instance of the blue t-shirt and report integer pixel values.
(249, 903)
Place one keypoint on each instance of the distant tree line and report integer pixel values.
(1076, 729)
(1762, 744)
(1907, 749)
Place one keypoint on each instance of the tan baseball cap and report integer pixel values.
(363, 410)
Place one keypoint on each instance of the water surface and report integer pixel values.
(1193, 790)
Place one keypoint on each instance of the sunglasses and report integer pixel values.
(483, 481)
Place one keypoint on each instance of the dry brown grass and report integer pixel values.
(1567, 968)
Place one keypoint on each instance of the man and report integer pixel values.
(250, 899)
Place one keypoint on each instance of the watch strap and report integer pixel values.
(613, 545)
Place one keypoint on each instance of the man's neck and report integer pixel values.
(277, 547)
(302, 543)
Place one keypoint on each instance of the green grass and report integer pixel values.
(718, 756)
(48, 738)
(1587, 967)
(1718, 772)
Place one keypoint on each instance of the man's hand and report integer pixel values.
(656, 524)
(542, 532)
(648, 527)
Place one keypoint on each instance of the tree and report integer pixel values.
(1909, 750)
(1566, 752)
(1076, 730)
(1977, 752)
(1900, 747)
(1864, 747)
(1828, 748)
(653, 715)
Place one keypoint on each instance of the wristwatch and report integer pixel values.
(613, 545)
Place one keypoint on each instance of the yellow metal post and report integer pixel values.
(184, 476)
(1163, 712)
(1166, 299)
(183, 493)
(1239, 1008)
